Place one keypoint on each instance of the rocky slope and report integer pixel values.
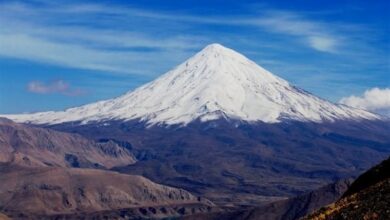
(4, 217)
(287, 209)
(367, 198)
(373, 176)
(43, 174)
(48, 191)
(32, 146)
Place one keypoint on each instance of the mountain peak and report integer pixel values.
(216, 82)
(223, 64)
(216, 48)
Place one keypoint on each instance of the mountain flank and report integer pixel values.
(56, 190)
(33, 146)
(40, 181)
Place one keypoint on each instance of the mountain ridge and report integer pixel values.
(45, 173)
(33, 147)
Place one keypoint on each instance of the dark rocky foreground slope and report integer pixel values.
(367, 198)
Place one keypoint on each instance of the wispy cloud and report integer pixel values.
(58, 86)
(74, 55)
(127, 40)
(317, 35)
(73, 35)
(375, 100)
(322, 43)
(65, 37)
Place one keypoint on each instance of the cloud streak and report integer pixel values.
(54, 87)
(375, 100)
(68, 35)
(314, 34)
(65, 37)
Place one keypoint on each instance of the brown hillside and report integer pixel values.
(32, 146)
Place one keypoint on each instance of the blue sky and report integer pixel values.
(59, 54)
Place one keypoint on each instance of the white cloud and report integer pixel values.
(58, 86)
(375, 100)
(322, 43)
(317, 35)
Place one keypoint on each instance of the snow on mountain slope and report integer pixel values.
(216, 82)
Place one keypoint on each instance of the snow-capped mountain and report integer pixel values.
(216, 82)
